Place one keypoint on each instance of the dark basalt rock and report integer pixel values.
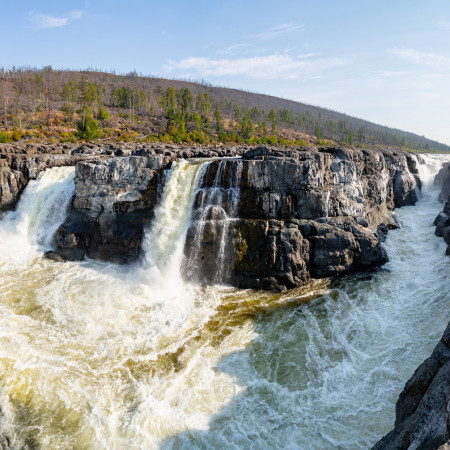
(285, 214)
(300, 213)
(260, 254)
(442, 181)
(442, 221)
(422, 410)
(113, 205)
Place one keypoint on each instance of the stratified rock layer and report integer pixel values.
(299, 214)
(114, 202)
(277, 216)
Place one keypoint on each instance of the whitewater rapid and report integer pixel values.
(94, 355)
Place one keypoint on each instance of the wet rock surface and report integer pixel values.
(422, 410)
(298, 214)
(22, 162)
(442, 221)
(280, 216)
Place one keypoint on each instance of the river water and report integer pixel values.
(99, 356)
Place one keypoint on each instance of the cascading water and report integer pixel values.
(164, 242)
(98, 356)
(42, 208)
(217, 208)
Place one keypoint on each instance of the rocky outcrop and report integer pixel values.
(271, 219)
(22, 162)
(442, 221)
(423, 408)
(299, 214)
(442, 181)
(114, 202)
(281, 216)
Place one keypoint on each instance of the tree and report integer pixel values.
(187, 100)
(247, 127)
(87, 95)
(203, 105)
(169, 103)
(69, 95)
(349, 138)
(273, 119)
(319, 133)
(6, 96)
(47, 71)
(88, 129)
(219, 122)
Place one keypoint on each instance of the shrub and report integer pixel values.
(4, 137)
(89, 129)
(67, 137)
(102, 114)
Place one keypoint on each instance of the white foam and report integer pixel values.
(93, 355)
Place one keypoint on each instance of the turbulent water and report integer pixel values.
(95, 356)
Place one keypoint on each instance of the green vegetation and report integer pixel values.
(48, 105)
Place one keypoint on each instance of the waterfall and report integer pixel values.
(430, 167)
(164, 240)
(189, 203)
(100, 356)
(217, 207)
(42, 208)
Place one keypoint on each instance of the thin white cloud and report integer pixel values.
(381, 77)
(259, 67)
(390, 73)
(422, 58)
(273, 32)
(230, 49)
(42, 21)
(444, 24)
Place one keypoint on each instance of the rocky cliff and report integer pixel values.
(442, 221)
(422, 411)
(22, 162)
(296, 215)
(271, 219)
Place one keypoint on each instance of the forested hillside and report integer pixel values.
(52, 105)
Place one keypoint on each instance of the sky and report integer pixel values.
(383, 61)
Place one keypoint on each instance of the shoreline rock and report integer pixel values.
(442, 221)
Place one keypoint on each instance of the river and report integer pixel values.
(99, 356)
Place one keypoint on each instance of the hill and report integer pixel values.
(63, 105)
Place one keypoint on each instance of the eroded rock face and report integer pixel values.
(442, 181)
(21, 162)
(271, 219)
(422, 411)
(442, 221)
(12, 182)
(297, 214)
(114, 202)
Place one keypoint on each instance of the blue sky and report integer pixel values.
(384, 61)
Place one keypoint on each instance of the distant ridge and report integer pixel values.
(179, 110)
